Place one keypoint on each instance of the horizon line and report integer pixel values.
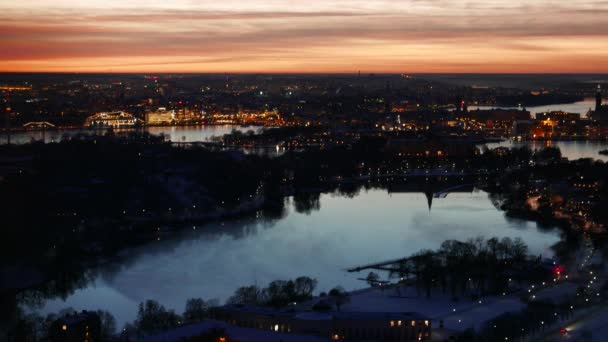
(366, 73)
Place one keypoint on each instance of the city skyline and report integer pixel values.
(305, 36)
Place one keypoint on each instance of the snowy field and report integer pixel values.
(232, 332)
(457, 316)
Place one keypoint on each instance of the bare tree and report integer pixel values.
(339, 297)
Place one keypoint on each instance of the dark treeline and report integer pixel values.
(80, 195)
(511, 190)
(84, 193)
(475, 267)
(35, 327)
(152, 317)
(278, 293)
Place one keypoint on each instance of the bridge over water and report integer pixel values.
(38, 125)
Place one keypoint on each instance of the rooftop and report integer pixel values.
(232, 332)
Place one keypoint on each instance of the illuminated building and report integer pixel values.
(388, 326)
(162, 116)
(15, 88)
(558, 124)
(499, 121)
(563, 117)
(111, 119)
(432, 148)
(84, 326)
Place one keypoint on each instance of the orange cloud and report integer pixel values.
(309, 36)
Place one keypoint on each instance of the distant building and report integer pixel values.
(499, 115)
(560, 117)
(434, 147)
(387, 98)
(162, 116)
(77, 327)
(389, 326)
(601, 111)
(560, 125)
(498, 120)
(111, 119)
(522, 128)
(598, 99)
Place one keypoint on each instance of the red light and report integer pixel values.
(558, 270)
(563, 330)
(180, 102)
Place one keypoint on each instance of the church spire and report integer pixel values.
(598, 99)
(429, 198)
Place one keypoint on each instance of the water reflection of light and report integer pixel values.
(173, 133)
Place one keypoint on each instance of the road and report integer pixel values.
(591, 326)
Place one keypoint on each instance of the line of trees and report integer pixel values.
(152, 317)
(278, 293)
(477, 267)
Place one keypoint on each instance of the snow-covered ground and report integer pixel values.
(588, 325)
(232, 332)
(593, 329)
(555, 293)
(457, 316)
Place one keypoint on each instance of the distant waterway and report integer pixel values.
(569, 149)
(173, 133)
(581, 107)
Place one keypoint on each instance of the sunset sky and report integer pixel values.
(304, 36)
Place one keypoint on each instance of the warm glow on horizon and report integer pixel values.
(330, 36)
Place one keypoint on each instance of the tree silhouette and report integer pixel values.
(339, 296)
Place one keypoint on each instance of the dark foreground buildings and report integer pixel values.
(81, 327)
